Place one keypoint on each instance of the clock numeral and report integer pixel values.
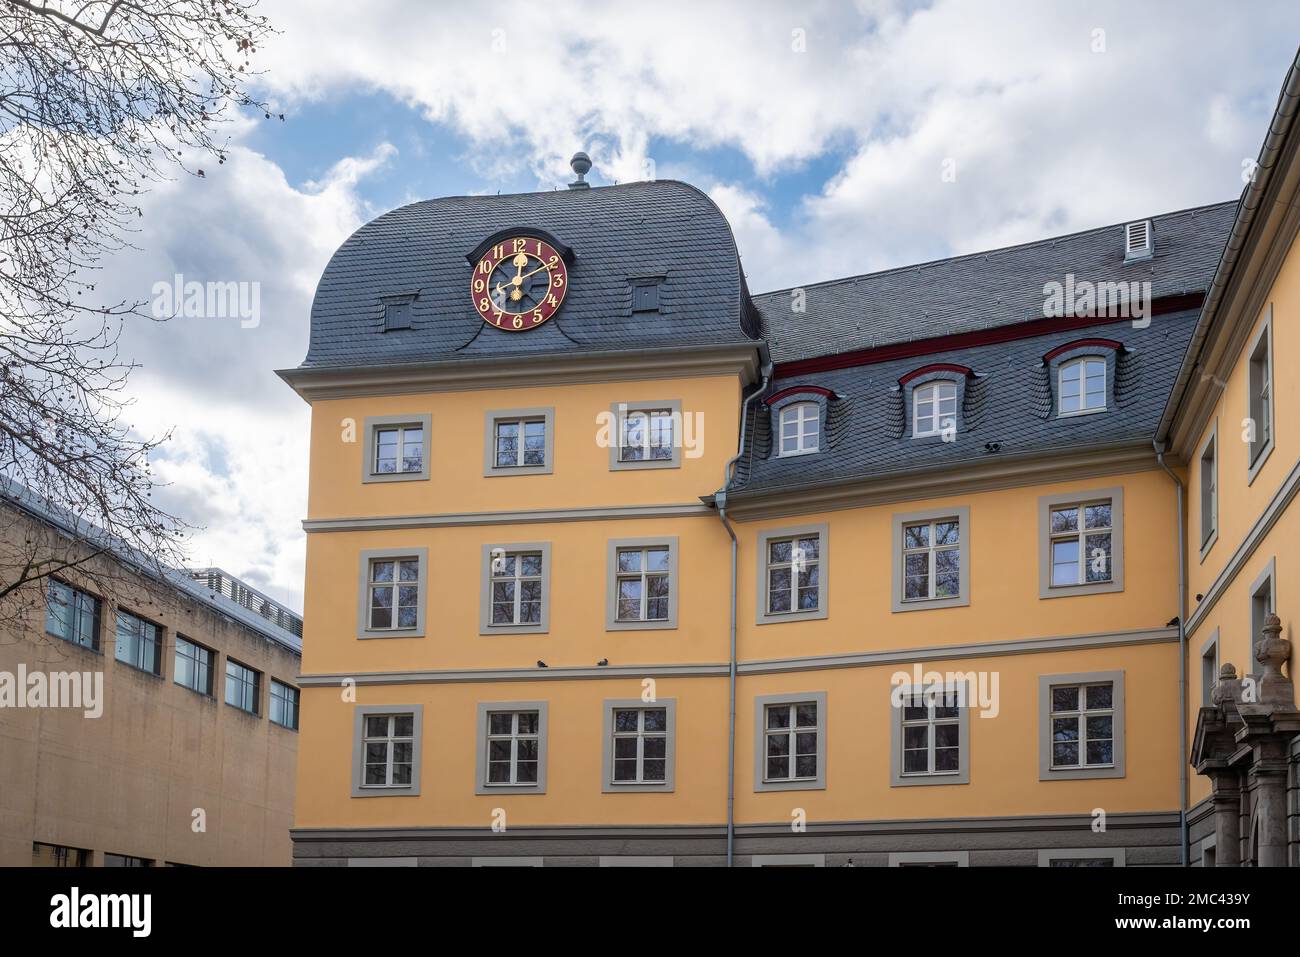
(520, 244)
(557, 280)
(550, 263)
(485, 267)
(551, 300)
(498, 251)
(518, 322)
(540, 250)
(479, 285)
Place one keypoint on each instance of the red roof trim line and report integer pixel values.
(795, 389)
(935, 367)
(1081, 343)
(978, 337)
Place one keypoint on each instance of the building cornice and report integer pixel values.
(869, 659)
(516, 517)
(526, 371)
(930, 481)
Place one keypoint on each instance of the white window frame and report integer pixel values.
(486, 710)
(931, 550)
(390, 739)
(621, 413)
(765, 703)
(644, 546)
(366, 581)
(610, 735)
(770, 537)
(359, 737)
(520, 417)
(931, 394)
(931, 722)
(806, 418)
(1081, 363)
(1047, 504)
(1048, 769)
(402, 423)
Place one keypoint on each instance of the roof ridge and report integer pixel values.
(997, 249)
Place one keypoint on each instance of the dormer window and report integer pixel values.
(800, 429)
(1082, 386)
(934, 408)
(397, 313)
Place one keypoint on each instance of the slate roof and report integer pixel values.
(986, 289)
(1009, 402)
(665, 228)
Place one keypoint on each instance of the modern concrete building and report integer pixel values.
(175, 737)
(611, 562)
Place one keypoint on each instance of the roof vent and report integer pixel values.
(581, 164)
(1139, 241)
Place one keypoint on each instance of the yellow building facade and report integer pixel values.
(611, 562)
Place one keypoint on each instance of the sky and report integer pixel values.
(838, 138)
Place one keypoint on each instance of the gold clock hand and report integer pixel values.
(534, 272)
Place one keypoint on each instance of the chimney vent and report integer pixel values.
(1139, 241)
(581, 164)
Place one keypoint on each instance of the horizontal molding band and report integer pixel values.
(1246, 550)
(525, 371)
(985, 475)
(1044, 822)
(865, 659)
(518, 517)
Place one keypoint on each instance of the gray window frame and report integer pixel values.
(904, 858)
(1210, 653)
(765, 536)
(359, 714)
(1116, 769)
(607, 783)
(787, 860)
(369, 555)
(761, 704)
(1258, 452)
(506, 862)
(898, 779)
(485, 708)
(160, 669)
(1265, 580)
(618, 413)
(376, 422)
(1046, 504)
(1115, 854)
(546, 414)
(297, 704)
(901, 519)
(636, 860)
(612, 622)
(485, 626)
(1209, 517)
(97, 613)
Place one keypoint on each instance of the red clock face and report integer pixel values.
(519, 283)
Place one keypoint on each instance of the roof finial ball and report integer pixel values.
(581, 164)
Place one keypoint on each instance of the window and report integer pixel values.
(243, 687)
(930, 859)
(139, 643)
(636, 861)
(639, 745)
(1081, 857)
(645, 435)
(934, 408)
(792, 574)
(788, 860)
(1081, 731)
(193, 666)
(800, 424)
(930, 737)
(72, 615)
(933, 559)
(1209, 668)
(1081, 543)
(1263, 602)
(392, 593)
(124, 860)
(1209, 475)
(505, 862)
(397, 314)
(790, 739)
(1082, 386)
(642, 588)
(1259, 387)
(516, 582)
(386, 750)
(645, 296)
(56, 855)
(396, 448)
(284, 705)
(520, 442)
(511, 747)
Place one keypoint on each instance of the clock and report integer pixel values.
(519, 283)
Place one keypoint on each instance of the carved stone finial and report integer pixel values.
(1272, 651)
(1228, 689)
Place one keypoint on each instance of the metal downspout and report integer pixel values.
(1184, 837)
(720, 498)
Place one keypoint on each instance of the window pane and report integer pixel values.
(778, 716)
(1100, 696)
